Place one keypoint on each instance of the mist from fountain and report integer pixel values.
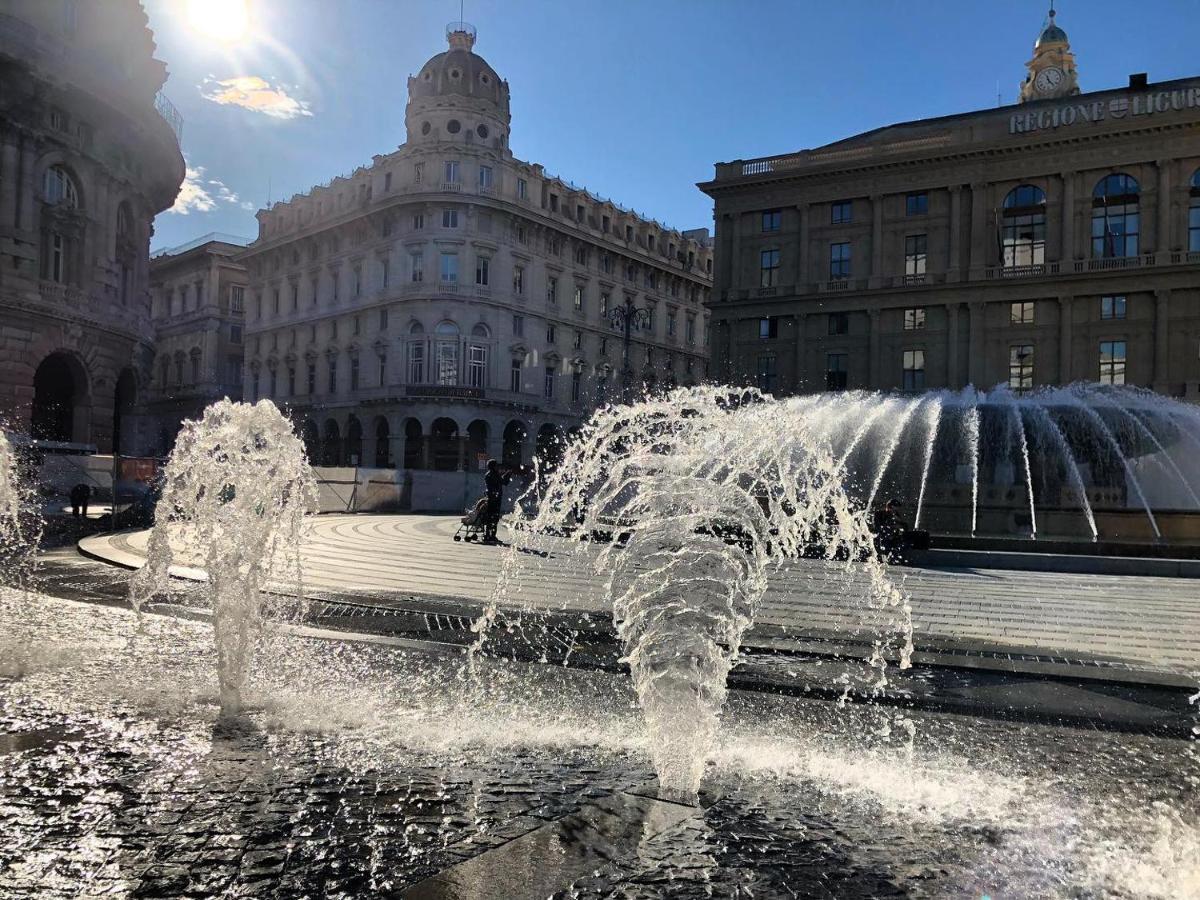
(20, 520)
(237, 491)
(10, 498)
(682, 505)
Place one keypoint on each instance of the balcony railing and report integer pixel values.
(452, 187)
(170, 115)
(444, 391)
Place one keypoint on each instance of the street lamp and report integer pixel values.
(626, 317)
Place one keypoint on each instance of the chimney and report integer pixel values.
(1137, 81)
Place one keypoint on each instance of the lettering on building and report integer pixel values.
(1094, 111)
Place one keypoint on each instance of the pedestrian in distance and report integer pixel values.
(494, 482)
(80, 495)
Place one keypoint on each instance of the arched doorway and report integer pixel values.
(124, 401)
(383, 444)
(312, 441)
(413, 444)
(513, 452)
(353, 451)
(444, 436)
(477, 445)
(549, 446)
(331, 447)
(59, 400)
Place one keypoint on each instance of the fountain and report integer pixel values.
(236, 492)
(20, 525)
(682, 504)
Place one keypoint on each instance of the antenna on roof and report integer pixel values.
(999, 103)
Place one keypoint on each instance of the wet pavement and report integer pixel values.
(362, 769)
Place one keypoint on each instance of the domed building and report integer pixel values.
(449, 302)
(89, 154)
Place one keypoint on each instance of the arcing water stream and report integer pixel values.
(236, 492)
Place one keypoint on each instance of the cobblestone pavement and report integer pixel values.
(360, 770)
(1144, 623)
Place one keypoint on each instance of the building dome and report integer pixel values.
(1051, 34)
(456, 95)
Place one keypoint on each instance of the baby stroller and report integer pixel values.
(474, 522)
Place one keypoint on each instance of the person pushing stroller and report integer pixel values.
(494, 482)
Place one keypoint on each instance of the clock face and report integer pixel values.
(1048, 79)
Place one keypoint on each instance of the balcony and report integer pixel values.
(54, 292)
(444, 391)
(486, 190)
(170, 115)
(451, 187)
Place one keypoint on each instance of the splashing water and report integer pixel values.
(20, 524)
(237, 491)
(10, 499)
(682, 504)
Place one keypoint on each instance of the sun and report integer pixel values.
(224, 20)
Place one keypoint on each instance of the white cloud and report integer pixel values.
(256, 94)
(200, 194)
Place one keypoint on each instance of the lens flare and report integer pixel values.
(224, 20)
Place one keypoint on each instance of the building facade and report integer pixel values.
(451, 302)
(89, 154)
(197, 307)
(1053, 241)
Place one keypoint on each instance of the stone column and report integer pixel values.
(802, 266)
(1067, 214)
(1064, 340)
(28, 187)
(1162, 302)
(954, 251)
(1162, 237)
(979, 226)
(873, 379)
(976, 363)
(462, 452)
(798, 379)
(953, 378)
(876, 237)
(427, 451)
(734, 275)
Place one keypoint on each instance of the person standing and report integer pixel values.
(494, 482)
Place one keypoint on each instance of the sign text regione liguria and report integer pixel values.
(1093, 111)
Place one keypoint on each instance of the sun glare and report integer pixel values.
(224, 20)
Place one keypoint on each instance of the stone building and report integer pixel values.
(197, 306)
(1042, 243)
(89, 154)
(451, 302)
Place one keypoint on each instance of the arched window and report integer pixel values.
(124, 221)
(1023, 227)
(1194, 215)
(446, 343)
(477, 357)
(1115, 219)
(58, 187)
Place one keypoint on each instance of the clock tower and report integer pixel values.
(1052, 70)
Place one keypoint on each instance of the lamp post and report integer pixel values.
(626, 317)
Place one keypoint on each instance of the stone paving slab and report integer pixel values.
(1144, 623)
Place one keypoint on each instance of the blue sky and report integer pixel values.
(635, 99)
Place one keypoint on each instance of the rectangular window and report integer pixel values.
(418, 266)
(237, 298)
(579, 213)
(476, 366)
(840, 213)
(771, 220)
(387, 181)
(518, 326)
(839, 260)
(768, 268)
(604, 306)
(485, 176)
(295, 296)
(914, 318)
(1020, 367)
(914, 370)
(551, 334)
(839, 323)
(291, 381)
(836, 375)
(578, 300)
(514, 376)
(333, 329)
(316, 290)
(548, 383)
(1112, 307)
(1194, 222)
(332, 384)
(916, 204)
(768, 328)
(604, 346)
(358, 281)
(551, 290)
(449, 218)
(354, 373)
(522, 189)
(451, 171)
(766, 374)
(577, 344)
(670, 324)
(357, 325)
(576, 386)
(1021, 313)
(275, 301)
(311, 378)
(334, 278)
(416, 363)
(382, 369)
(418, 222)
(691, 330)
(482, 270)
(519, 280)
(235, 334)
(383, 319)
(1112, 362)
(385, 271)
(915, 246)
(605, 224)
(449, 270)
